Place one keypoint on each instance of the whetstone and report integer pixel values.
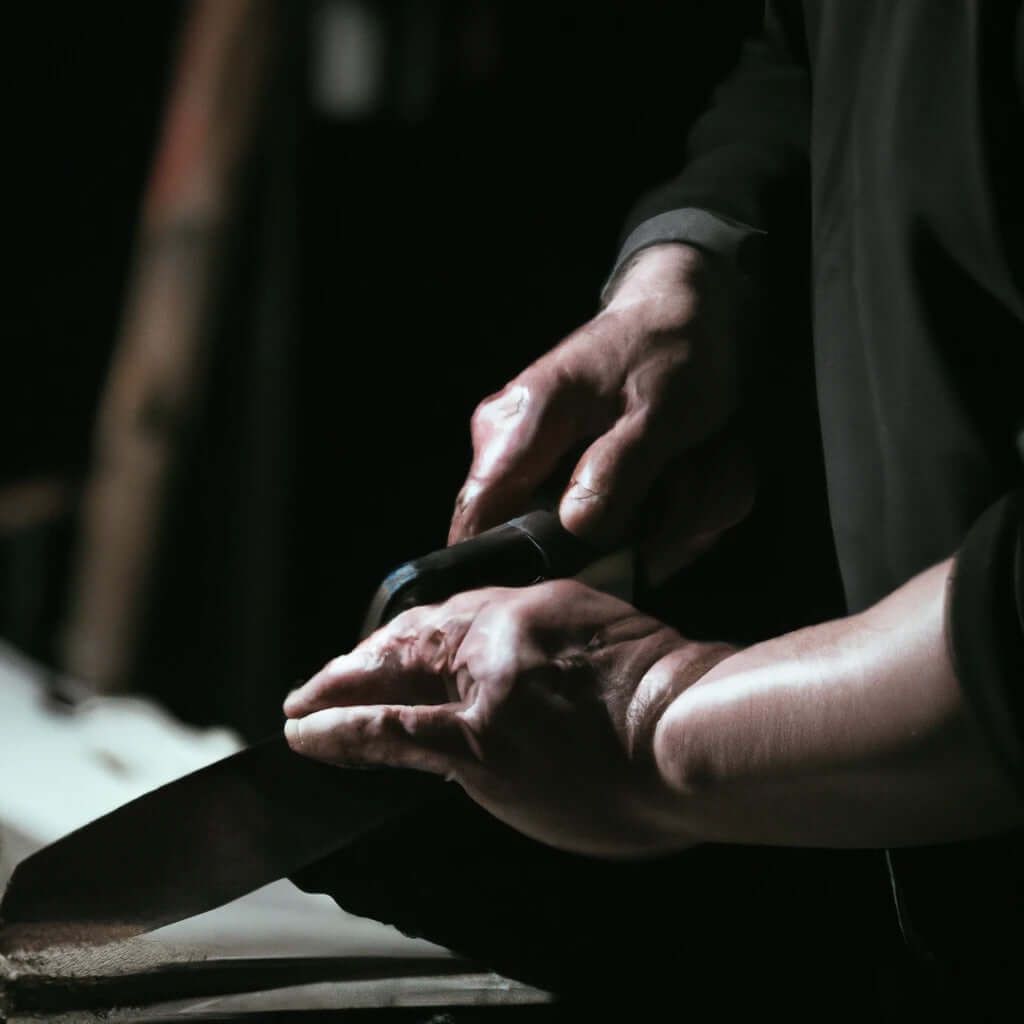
(139, 973)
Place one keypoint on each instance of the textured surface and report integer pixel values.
(130, 975)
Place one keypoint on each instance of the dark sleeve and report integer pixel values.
(746, 156)
(962, 904)
(986, 628)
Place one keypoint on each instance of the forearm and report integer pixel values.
(850, 733)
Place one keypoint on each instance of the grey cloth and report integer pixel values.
(712, 232)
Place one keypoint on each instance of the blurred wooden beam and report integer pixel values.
(159, 363)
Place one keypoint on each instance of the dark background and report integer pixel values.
(430, 249)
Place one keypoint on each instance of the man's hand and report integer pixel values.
(541, 702)
(649, 383)
(585, 724)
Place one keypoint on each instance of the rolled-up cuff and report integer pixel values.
(712, 232)
(964, 902)
(986, 628)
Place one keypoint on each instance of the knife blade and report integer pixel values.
(265, 812)
(198, 842)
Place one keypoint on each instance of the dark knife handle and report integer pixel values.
(526, 550)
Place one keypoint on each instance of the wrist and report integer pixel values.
(667, 680)
(655, 274)
(665, 807)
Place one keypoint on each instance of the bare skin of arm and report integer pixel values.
(850, 733)
(592, 727)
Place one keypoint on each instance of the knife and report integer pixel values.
(265, 812)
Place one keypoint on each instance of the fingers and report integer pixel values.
(522, 433)
(379, 670)
(365, 675)
(519, 435)
(433, 739)
(407, 661)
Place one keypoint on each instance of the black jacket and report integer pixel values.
(899, 124)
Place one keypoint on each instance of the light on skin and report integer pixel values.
(590, 726)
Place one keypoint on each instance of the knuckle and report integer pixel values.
(507, 403)
(569, 590)
(398, 633)
(433, 648)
